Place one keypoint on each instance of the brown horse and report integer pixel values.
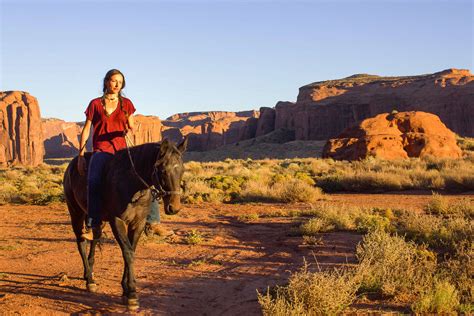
(126, 198)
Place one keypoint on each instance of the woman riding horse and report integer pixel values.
(124, 183)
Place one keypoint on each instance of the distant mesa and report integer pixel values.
(21, 139)
(394, 136)
(321, 111)
(209, 130)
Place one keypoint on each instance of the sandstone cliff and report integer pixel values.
(21, 140)
(324, 109)
(61, 139)
(209, 130)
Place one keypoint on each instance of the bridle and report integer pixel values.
(156, 193)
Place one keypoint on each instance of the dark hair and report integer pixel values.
(107, 77)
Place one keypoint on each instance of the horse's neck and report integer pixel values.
(144, 158)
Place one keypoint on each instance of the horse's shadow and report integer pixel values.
(48, 287)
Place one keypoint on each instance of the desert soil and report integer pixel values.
(40, 268)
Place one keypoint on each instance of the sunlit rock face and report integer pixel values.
(394, 136)
(324, 109)
(209, 130)
(21, 139)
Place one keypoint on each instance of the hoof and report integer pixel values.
(132, 304)
(92, 287)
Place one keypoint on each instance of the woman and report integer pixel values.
(112, 116)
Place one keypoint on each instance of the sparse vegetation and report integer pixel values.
(393, 266)
(294, 180)
(421, 259)
(307, 293)
(193, 237)
(248, 217)
(41, 185)
(443, 298)
(273, 181)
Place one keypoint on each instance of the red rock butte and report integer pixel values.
(394, 136)
(21, 137)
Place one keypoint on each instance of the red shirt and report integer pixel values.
(108, 129)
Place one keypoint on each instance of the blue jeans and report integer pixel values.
(94, 191)
(154, 215)
(95, 178)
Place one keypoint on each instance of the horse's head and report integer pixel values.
(167, 174)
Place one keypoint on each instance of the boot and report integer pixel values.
(156, 229)
(91, 233)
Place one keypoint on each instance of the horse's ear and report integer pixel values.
(165, 145)
(184, 144)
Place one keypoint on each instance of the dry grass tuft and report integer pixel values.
(393, 266)
(320, 293)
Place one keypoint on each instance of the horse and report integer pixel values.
(131, 179)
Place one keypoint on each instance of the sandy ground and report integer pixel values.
(40, 268)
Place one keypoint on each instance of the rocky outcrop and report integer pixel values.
(266, 122)
(324, 109)
(206, 130)
(209, 130)
(394, 136)
(147, 129)
(61, 139)
(21, 140)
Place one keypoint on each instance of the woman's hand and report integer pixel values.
(81, 165)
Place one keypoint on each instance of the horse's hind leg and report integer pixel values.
(77, 221)
(119, 228)
(133, 234)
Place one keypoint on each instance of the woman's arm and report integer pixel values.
(131, 122)
(84, 137)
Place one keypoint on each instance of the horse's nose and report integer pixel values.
(171, 210)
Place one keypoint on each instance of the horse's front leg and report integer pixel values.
(119, 228)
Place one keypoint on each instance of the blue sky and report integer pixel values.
(183, 56)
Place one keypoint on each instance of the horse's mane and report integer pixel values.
(143, 156)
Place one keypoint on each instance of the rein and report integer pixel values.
(156, 193)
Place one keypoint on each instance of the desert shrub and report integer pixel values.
(370, 222)
(442, 298)
(393, 266)
(40, 185)
(331, 183)
(255, 190)
(198, 191)
(193, 237)
(297, 191)
(290, 191)
(8, 193)
(311, 293)
(458, 270)
(248, 217)
(440, 233)
(438, 205)
(315, 226)
(465, 143)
